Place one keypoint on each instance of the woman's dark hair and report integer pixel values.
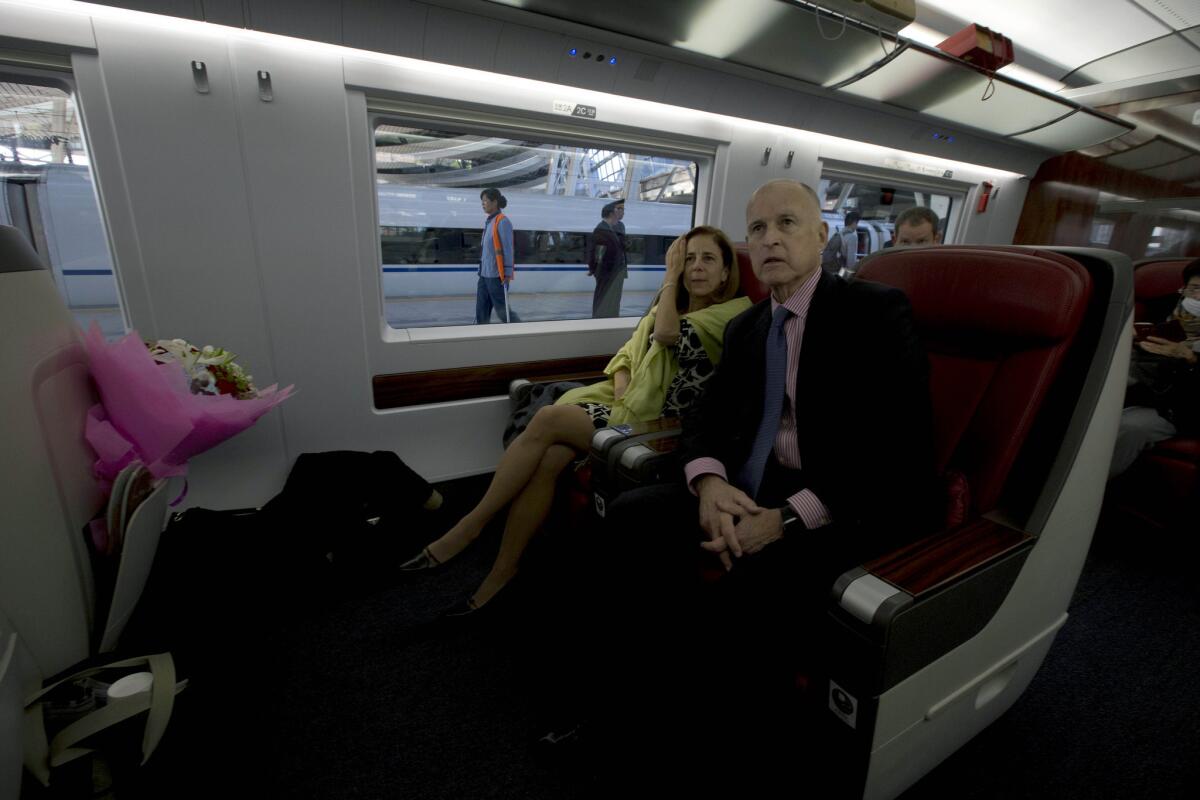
(495, 196)
(728, 259)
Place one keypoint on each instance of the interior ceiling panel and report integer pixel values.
(1154, 154)
(1068, 33)
(1074, 130)
(770, 35)
(1179, 14)
(1181, 171)
(934, 85)
(1165, 54)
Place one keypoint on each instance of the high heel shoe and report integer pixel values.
(466, 611)
(422, 560)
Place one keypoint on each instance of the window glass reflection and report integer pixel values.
(432, 225)
(867, 211)
(48, 195)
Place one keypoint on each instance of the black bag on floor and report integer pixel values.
(360, 511)
(225, 577)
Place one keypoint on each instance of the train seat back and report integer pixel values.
(994, 348)
(1028, 351)
(750, 285)
(46, 488)
(1155, 287)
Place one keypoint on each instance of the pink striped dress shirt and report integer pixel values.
(807, 505)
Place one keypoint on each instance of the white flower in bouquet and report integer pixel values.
(211, 370)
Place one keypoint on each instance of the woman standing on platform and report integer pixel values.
(496, 263)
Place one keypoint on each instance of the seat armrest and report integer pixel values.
(631, 455)
(911, 606)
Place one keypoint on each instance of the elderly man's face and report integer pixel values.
(913, 235)
(786, 237)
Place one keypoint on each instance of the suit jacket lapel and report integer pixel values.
(820, 331)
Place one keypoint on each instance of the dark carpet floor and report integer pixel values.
(360, 700)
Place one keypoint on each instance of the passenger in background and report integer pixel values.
(496, 262)
(606, 260)
(661, 371)
(917, 226)
(840, 253)
(1163, 398)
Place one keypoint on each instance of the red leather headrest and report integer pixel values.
(1029, 294)
(1158, 279)
(749, 281)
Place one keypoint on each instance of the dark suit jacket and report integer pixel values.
(614, 252)
(864, 418)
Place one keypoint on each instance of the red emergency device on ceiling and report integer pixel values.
(981, 46)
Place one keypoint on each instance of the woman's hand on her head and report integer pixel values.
(676, 255)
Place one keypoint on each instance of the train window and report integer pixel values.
(878, 204)
(48, 194)
(431, 225)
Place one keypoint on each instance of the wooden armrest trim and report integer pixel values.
(631, 429)
(399, 390)
(665, 444)
(931, 562)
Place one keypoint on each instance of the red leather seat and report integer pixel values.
(749, 285)
(994, 349)
(1013, 339)
(1020, 341)
(1166, 478)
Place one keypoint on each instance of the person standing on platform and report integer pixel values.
(606, 261)
(496, 263)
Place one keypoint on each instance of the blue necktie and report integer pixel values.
(764, 441)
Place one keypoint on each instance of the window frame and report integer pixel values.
(547, 129)
(906, 180)
(56, 72)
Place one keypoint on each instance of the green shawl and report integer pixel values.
(652, 366)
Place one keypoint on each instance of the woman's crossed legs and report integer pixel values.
(526, 476)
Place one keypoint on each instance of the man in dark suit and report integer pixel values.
(812, 451)
(850, 457)
(606, 260)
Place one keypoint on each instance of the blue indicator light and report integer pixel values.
(573, 52)
(937, 136)
(950, 138)
(612, 60)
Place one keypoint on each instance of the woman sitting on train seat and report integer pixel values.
(660, 371)
(1163, 396)
(496, 261)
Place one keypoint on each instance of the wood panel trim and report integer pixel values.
(400, 390)
(927, 564)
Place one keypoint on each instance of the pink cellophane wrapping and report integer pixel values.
(148, 413)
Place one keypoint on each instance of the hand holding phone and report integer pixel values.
(1141, 330)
